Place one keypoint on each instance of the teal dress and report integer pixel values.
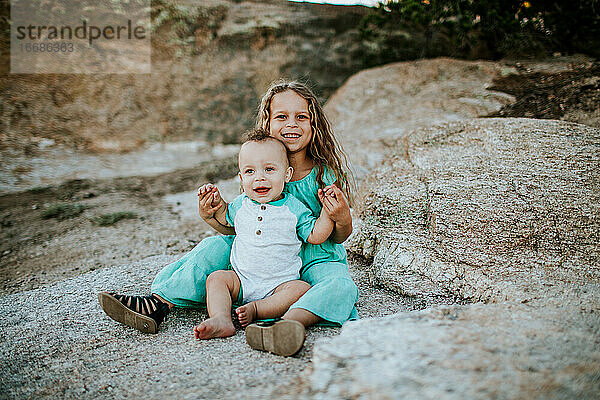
(332, 295)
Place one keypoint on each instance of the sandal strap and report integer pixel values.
(149, 306)
(161, 312)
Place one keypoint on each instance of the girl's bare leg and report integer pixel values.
(303, 316)
(171, 305)
(275, 305)
(221, 287)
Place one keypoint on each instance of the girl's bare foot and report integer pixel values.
(214, 328)
(246, 314)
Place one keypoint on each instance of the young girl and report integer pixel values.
(290, 112)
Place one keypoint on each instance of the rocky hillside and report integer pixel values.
(211, 62)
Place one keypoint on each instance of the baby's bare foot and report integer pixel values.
(214, 328)
(246, 314)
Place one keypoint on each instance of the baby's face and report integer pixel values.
(264, 170)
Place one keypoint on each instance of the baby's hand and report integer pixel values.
(209, 200)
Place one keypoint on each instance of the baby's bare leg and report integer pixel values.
(273, 306)
(221, 288)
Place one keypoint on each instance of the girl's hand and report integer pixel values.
(209, 201)
(335, 204)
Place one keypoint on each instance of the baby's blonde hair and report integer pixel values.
(323, 149)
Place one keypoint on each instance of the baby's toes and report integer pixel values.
(197, 330)
(241, 313)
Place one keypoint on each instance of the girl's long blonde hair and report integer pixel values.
(324, 149)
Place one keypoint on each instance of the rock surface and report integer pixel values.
(492, 209)
(499, 351)
(57, 343)
(377, 106)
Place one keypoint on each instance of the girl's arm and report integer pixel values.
(337, 208)
(212, 209)
(322, 229)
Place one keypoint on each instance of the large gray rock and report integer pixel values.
(377, 106)
(491, 209)
(499, 351)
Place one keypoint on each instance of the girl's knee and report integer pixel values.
(350, 285)
(342, 286)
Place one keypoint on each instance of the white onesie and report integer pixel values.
(266, 247)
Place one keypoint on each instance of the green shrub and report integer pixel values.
(63, 211)
(112, 218)
(571, 26)
(409, 29)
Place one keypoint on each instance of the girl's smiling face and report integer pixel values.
(290, 121)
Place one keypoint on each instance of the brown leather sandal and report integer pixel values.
(283, 337)
(144, 313)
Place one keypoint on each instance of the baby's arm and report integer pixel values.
(212, 209)
(322, 229)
